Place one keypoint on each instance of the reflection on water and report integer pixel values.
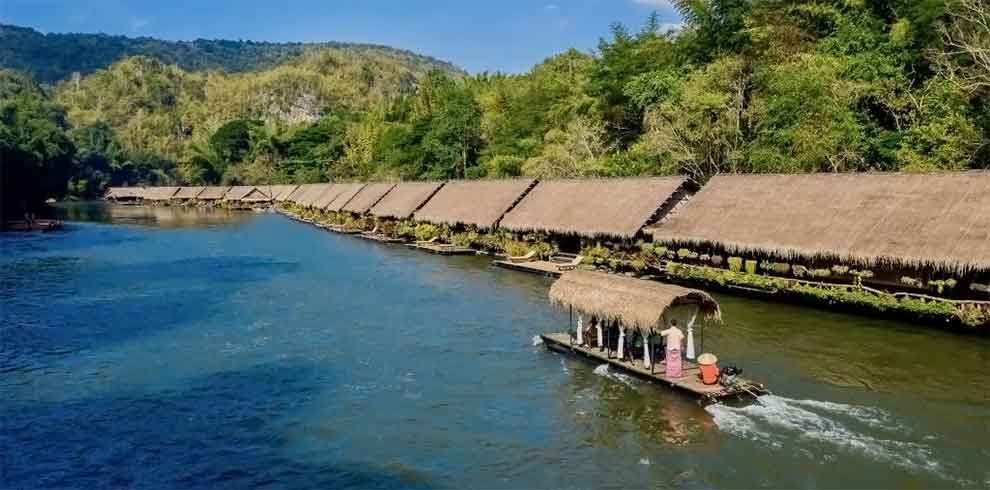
(274, 354)
(159, 216)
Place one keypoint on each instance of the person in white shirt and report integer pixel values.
(674, 337)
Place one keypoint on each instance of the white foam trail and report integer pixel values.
(563, 366)
(776, 420)
(604, 371)
(537, 340)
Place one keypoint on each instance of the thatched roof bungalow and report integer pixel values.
(279, 193)
(125, 193)
(159, 193)
(367, 197)
(246, 194)
(312, 193)
(327, 196)
(613, 208)
(473, 202)
(212, 193)
(187, 193)
(344, 196)
(939, 221)
(404, 199)
(636, 303)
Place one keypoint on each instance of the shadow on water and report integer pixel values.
(221, 431)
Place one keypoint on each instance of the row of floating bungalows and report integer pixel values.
(919, 233)
(235, 196)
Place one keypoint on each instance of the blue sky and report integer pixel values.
(506, 35)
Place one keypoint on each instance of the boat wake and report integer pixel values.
(537, 340)
(604, 371)
(824, 429)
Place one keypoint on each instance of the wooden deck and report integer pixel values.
(380, 238)
(542, 267)
(690, 382)
(442, 248)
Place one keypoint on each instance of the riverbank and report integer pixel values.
(963, 316)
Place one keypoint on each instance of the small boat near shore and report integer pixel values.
(626, 319)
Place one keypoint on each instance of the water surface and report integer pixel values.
(166, 348)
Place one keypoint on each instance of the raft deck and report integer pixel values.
(542, 267)
(443, 248)
(689, 382)
(380, 238)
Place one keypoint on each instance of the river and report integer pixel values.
(165, 348)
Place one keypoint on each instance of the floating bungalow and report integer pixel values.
(159, 195)
(478, 204)
(398, 204)
(279, 193)
(187, 195)
(211, 195)
(368, 196)
(341, 222)
(578, 211)
(246, 196)
(125, 195)
(914, 232)
(615, 314)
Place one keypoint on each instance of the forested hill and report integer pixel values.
(54, 57)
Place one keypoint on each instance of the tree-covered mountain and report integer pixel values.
(757, 86)
(53, 57)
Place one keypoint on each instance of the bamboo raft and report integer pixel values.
(541, 267)
(442, 248)
(690, 382)
(380, 238)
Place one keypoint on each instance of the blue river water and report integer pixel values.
(167, 348)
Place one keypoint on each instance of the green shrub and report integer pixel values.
(735, 264)
(426, 231)
(840, 269)
(751, 267)
(683, 253)
(799, 271)
(910, 281)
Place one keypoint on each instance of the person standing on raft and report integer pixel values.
(672, 362)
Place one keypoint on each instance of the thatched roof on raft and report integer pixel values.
(279, 193)
(367, 197)
(634, 303)
(937, 220)
(617, 208)
(312, 193)
(298, 192)
(188, 192)
(404, 199)
(473, 202)
(124, 193)
(160, 193)
(212, 193)
(345, 193)
(246, 193)
(326, 196)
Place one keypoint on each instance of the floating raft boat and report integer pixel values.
(619, 308)
(689, 382)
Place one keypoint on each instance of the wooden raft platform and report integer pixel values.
(690, 382)
(442, 248)
(380, 238)
(542, 267)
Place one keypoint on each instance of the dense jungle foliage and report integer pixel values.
(743, 86)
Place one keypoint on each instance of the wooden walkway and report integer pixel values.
(542, 267)
(689, 382)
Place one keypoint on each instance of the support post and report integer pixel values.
(689, 353)
(647, 363)
(598, 332)
(580, 330)
(622, 342)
